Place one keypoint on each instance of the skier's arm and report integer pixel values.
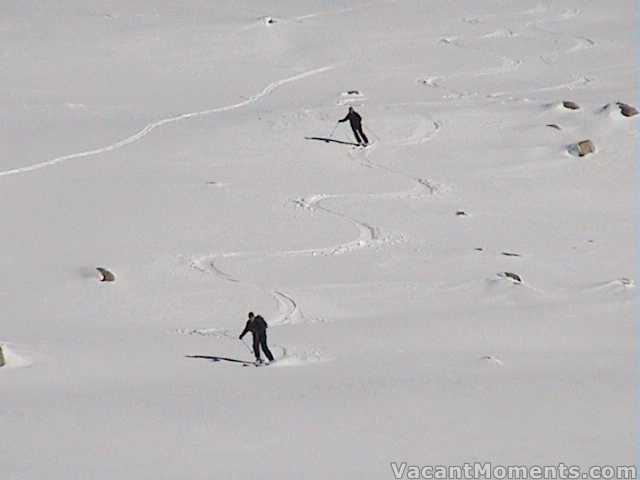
(344, 119)
(245, 331)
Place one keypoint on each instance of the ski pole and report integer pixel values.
(334, 130)
(245, 344)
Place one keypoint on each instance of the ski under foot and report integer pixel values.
(257, 364)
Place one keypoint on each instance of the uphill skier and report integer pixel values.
(258, 328)
(355, 120)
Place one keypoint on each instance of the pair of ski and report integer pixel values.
(256, 364)
(217, 359)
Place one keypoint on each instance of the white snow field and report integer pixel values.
(166, 142)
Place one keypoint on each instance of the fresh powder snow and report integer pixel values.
(463, 289)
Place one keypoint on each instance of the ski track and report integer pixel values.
(509, 64)
(580, 42)
(165, 121)
(570, 85)
(287, 307)
(369, 236)
(424, 133)
(341, 10)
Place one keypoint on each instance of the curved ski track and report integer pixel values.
(509, 64)
(369, 236)
(159, 123)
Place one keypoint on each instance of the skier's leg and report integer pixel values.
(265, 348)
(364, 137)
(355, 134)
(256, 347)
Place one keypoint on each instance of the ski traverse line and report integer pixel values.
(159, 123)
(341, 10)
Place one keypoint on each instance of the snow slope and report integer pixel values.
(166, 141)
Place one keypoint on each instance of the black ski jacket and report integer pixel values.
(257, 326)
(354, 118)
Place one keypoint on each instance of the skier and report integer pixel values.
(258, 328)
(355, 120)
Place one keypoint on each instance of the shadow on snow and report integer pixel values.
(216, 359)
(331, 140)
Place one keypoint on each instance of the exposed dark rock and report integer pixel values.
(513, 276)
(570, 105)
(585, 147)
(461, 213)
(627, 110)
(106, 275)
(511, 254)
(582, 148)
(554, 125)
(2, 360)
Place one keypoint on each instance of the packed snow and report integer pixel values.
(460, 290)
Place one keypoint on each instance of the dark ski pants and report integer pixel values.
(261, 341)
(359, 134)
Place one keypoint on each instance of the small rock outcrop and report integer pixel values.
(569, 105)
(106, 275)
(3, 362)
(585, 147)
(555, 126)
(627, 110)
(582, 148)
(461, 213)
(513, 276)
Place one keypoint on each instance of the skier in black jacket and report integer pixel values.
(258, 328)
(355, 120)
